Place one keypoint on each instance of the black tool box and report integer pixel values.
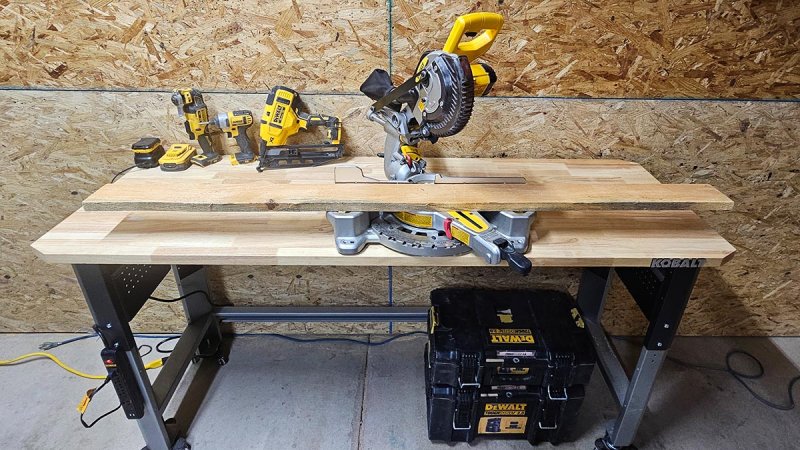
(486, 337)
(536, 414)
(506, 364)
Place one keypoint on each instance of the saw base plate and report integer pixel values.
(354, 230)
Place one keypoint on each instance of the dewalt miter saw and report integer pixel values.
(435, 102)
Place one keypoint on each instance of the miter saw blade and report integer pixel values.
(415, 241)
(446, 94)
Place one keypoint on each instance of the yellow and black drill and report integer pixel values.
(235, 125)
(191, 105)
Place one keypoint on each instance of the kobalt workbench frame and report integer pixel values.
(116, 293)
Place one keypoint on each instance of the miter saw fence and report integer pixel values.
(436, 102)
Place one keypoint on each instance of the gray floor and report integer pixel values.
(277, 395)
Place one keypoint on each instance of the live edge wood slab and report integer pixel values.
(552, 185)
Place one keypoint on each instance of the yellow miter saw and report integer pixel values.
(435, 102)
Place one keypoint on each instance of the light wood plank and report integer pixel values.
(576, 238)
(551, 185)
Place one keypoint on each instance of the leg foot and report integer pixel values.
(602, 444)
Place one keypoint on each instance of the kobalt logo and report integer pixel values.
(674, 263)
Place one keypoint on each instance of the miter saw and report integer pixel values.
(435, 102)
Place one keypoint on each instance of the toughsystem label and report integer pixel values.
(510, 336)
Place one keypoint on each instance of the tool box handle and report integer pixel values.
(487, 24)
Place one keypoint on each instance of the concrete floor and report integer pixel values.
(278, 395)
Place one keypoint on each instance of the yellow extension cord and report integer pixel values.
(23, 358)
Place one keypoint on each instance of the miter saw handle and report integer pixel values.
(487, 24)
(517, 261)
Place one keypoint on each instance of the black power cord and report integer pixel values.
(122, 172)
(737, 375)
(89, 395)
(173, 300)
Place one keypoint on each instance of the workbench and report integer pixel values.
(600, 215)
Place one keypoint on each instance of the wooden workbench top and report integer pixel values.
(554, 185)
(565, 238)
(560, 238)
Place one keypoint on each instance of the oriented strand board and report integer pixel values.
(249, 44)
(748, 150)
(618, 48)
(607, 48)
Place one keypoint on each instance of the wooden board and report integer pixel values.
(613, 48)
(565, 239)
(241, 188)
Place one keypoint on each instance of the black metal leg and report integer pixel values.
(197, 306)
(114, 295)
(662, 295)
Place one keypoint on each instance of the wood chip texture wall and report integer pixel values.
(695, 91)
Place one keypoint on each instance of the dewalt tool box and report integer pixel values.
(485, 337)
(536, 414)
(505, 364)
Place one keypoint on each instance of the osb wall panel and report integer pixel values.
(607, 48)
(749, 150)
(618, 48)
(249, 44)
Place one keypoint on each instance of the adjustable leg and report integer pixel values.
(662, 295)
(196, 306)
(114, 295)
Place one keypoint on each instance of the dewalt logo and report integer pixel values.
(504, 409)
(510, 336)
(279, 112)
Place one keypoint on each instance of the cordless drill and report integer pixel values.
(235, 125)
(190, 103)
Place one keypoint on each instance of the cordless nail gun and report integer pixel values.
(283, 118)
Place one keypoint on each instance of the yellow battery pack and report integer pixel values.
(177, 158)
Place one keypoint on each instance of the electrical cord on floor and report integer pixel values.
(35, 355)
(122, 172)
(737, 375)
(53, 344)
(149, 350)
(164, 341)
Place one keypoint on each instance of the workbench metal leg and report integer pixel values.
(662, 295)
(114, 295)
(195, 279)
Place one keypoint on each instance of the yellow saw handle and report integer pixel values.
(484, 23)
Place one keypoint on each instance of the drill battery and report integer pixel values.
(178, 157)
(146, 152)
(526, 349)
